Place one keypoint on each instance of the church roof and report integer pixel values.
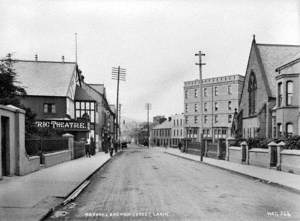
(272, 56)
(44, 78)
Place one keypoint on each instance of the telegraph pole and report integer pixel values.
(118, 74)
(148, 107)
(200, 64)
(120, 120)
(76, 47)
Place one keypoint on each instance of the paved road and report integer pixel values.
(142, 184)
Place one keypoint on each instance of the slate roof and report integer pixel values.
(82, 95)
(272, 56)
(289, 61)
(164, 125)
(98, 87)
(44, 78)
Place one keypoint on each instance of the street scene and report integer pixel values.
(150, 110)
(150, 189)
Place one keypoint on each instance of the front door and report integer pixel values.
(4, 146)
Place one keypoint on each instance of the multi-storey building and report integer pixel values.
(177, 130)
(58, 95)
(161, 133)
(220, 99)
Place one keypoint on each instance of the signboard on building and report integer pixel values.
(67, 125)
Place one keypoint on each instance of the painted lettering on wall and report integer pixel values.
(63, 124)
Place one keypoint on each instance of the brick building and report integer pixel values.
(260, 114)
(220, 99)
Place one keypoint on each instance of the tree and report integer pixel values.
(10, 92)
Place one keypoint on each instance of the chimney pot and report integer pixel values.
(36, 57)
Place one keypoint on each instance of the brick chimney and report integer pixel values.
(36, 57)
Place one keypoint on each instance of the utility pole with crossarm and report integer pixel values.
(200, 136)
(118, 74)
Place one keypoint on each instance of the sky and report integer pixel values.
(155, 41)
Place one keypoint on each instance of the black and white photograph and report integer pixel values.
(146, 110)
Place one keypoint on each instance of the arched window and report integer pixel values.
(252, 86)
(289, 92)
(289, 129)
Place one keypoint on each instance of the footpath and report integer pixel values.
(31, 197)
(270, 176)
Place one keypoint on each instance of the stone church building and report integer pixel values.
(269, 104)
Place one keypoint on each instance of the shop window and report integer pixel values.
(289, 92)
(49, 108)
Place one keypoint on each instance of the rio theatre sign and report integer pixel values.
(67, 125)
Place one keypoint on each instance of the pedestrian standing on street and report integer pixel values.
(87, 149)
(180, 145)
(111, 148)
(92, 146)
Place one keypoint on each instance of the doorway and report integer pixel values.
(5, 158)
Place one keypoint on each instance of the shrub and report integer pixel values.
(292, 142)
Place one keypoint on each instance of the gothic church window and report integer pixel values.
(252, 87)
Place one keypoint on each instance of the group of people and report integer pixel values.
(109, 146)
(90, 147)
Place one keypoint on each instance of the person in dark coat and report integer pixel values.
(180, 145)
(92, 146)
(87, 149)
